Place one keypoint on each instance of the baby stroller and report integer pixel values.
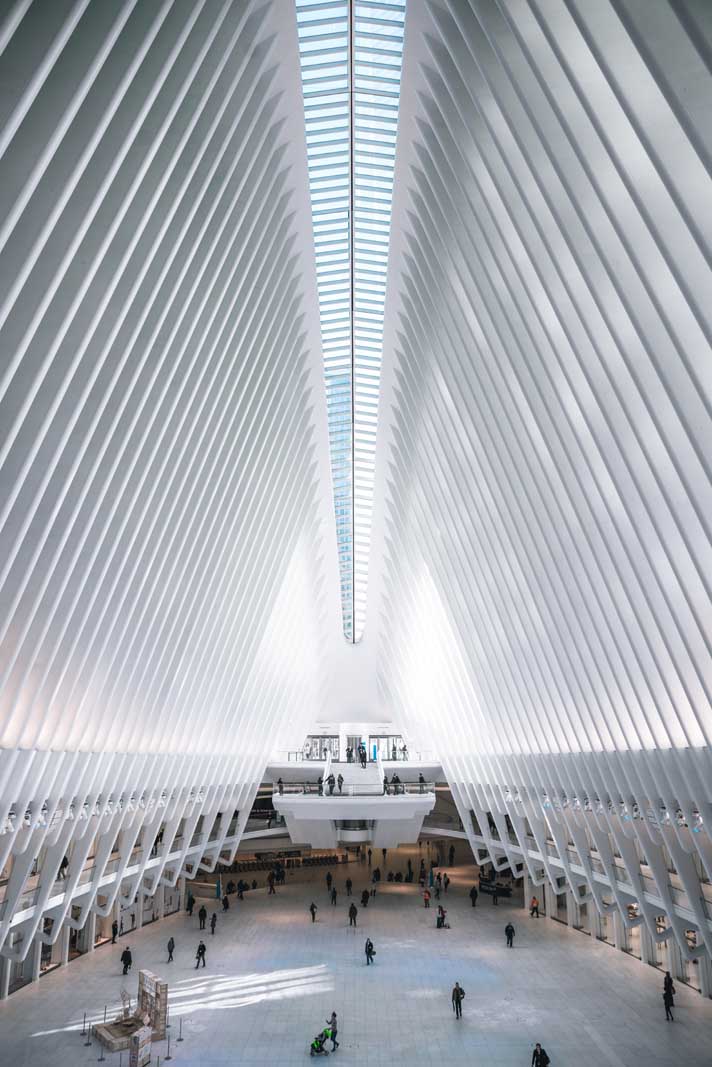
(317, 1046)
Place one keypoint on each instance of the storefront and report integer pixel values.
(385, 745)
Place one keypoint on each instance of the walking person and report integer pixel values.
(353, 912)
(171, 947)
(473, 896)
(386, 789)
(451, 854)
(200, 955)
(426, 898)
(202, 916)
(458, 995)
(333, 896)
(329, 880)
(270, 881)
(370, 951)
(509, 931)
(213, 923)
(332, 1031)
(114, 931)
(126, 959)
(280, 787)
(313, 910)
(340, 781)
(225, 902)
(668, 997)
(495, 894)
(331, 780)
(369, 857)
(534, 908)
(191, 904)
(446, 883)
(539, 1057)
(421, 782)
(349, 887)
(364, 898)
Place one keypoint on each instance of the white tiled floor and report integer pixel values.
(273, 977)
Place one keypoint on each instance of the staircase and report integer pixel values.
(357, 781)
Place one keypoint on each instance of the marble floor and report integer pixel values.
(272, 977)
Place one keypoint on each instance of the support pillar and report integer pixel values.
(160, 901)
(618, 931)
(64, 946)
(139, 908)
(525, 889)
(90, 932)
(571, 910)
(35, 960)
(647, 949)
(182, 896)
(5, 968)
(705, 970)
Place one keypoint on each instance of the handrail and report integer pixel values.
(365, 790)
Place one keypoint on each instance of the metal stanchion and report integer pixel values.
(88, 1040)
(168, 1054)
(105, 1014)
(102, 1057)
(180, 1029)
(84, 1026)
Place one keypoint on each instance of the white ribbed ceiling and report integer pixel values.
(173, 585)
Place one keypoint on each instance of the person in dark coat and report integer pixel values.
(668, 997)
(473, 896)
(329, 880)
(202, 916)
(333, 896)
(349, 887)
(458, 995)
(340, 781)
(332, 782)
(171, 948)
(539, 1057)
(353, 912)
(114, 931)
(213, 922)
(200, 955)
(495, 894)
(225, 902)
(126, 959)
(312, 909)
(509, 931)
(370, 951)
(364, 898)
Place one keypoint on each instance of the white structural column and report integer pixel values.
(544, 490)
(168, 572)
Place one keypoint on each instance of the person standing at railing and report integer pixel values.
(421, 782)
(280, 787)
(386, 790)
(340, 782)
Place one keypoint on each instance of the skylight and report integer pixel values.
(351, 49)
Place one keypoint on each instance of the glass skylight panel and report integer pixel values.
(351, 337)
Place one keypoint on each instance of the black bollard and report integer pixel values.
(168, 1056)
(102, 1057)
(88, 1040)
(180, 1028)
(84, 1026)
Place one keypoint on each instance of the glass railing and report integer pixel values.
(358, 790)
